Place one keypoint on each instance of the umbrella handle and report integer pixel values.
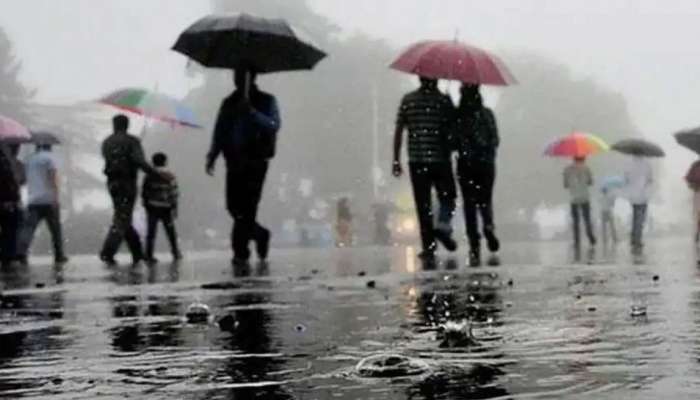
(246, 85)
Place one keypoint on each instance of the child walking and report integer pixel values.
(160, 199)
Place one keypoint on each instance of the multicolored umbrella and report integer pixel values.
(12, 131)
(576, 144)
(443, 59)
(153, 105)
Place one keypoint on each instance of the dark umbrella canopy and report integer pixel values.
(689, 139)
(45, 138)
(639, 147)
(244, 41)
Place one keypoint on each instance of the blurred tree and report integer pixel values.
(14, 95)
(547, 103)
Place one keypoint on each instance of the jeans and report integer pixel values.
(425, 177)
(123, 195)
(244, 185)
(476, 180)
(166, 216)
(35, 214)
(9, 225)
(578, 211)
(639, 216)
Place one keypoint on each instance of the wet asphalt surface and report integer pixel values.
(544, 327)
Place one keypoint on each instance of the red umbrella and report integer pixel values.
(454, 61)
(12, 131)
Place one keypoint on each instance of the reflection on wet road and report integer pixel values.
(310, 326)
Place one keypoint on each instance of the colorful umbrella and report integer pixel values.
(153, 105)
(576, 144)
(639, 147)
(454, 61)
(12, 131)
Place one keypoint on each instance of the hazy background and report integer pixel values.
(615, 68)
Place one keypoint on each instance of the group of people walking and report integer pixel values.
(636, 185)
(436, 130)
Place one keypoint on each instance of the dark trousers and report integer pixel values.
(9, 226)
(639, 217)
(123, 200)
(425, 177)
(244, 185)
(166, 216)
(476, 180)
(578, 211)
(35, 214)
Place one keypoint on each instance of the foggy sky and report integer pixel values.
(75, 50)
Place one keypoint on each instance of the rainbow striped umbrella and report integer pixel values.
(576, 144)
(12, 131)
(153, 105)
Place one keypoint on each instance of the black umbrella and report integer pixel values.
(689, 139)
(639, 147)
(244, 41)
(44, 138)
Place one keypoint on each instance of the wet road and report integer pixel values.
(561, 330)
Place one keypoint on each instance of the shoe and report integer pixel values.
(177, 256)
(493, 261)
(151, 261)
(60, 260)
(445, 238)
(22, 260)
(262, 245)
(474, 260)
(239, 262)
(137, 259)
(110, 261)
(427, 255)
(492, 242)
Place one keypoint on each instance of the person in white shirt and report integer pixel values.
(42, 202)
(639, 180)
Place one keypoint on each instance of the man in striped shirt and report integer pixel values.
(427, 114)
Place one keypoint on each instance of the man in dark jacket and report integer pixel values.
(9, 206)
(160, 198)
(124, 158)
(427, 115)
(477, 142)
(246, 133)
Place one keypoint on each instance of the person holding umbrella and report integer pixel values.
(692, 178)
(476, 135)
(578, 178)
(245, 133)
(477, 141)
(638, 184)
(124, 157)
(690, 139)
(248, 121)
(9, 207)
(428, 114)
(42, 198)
